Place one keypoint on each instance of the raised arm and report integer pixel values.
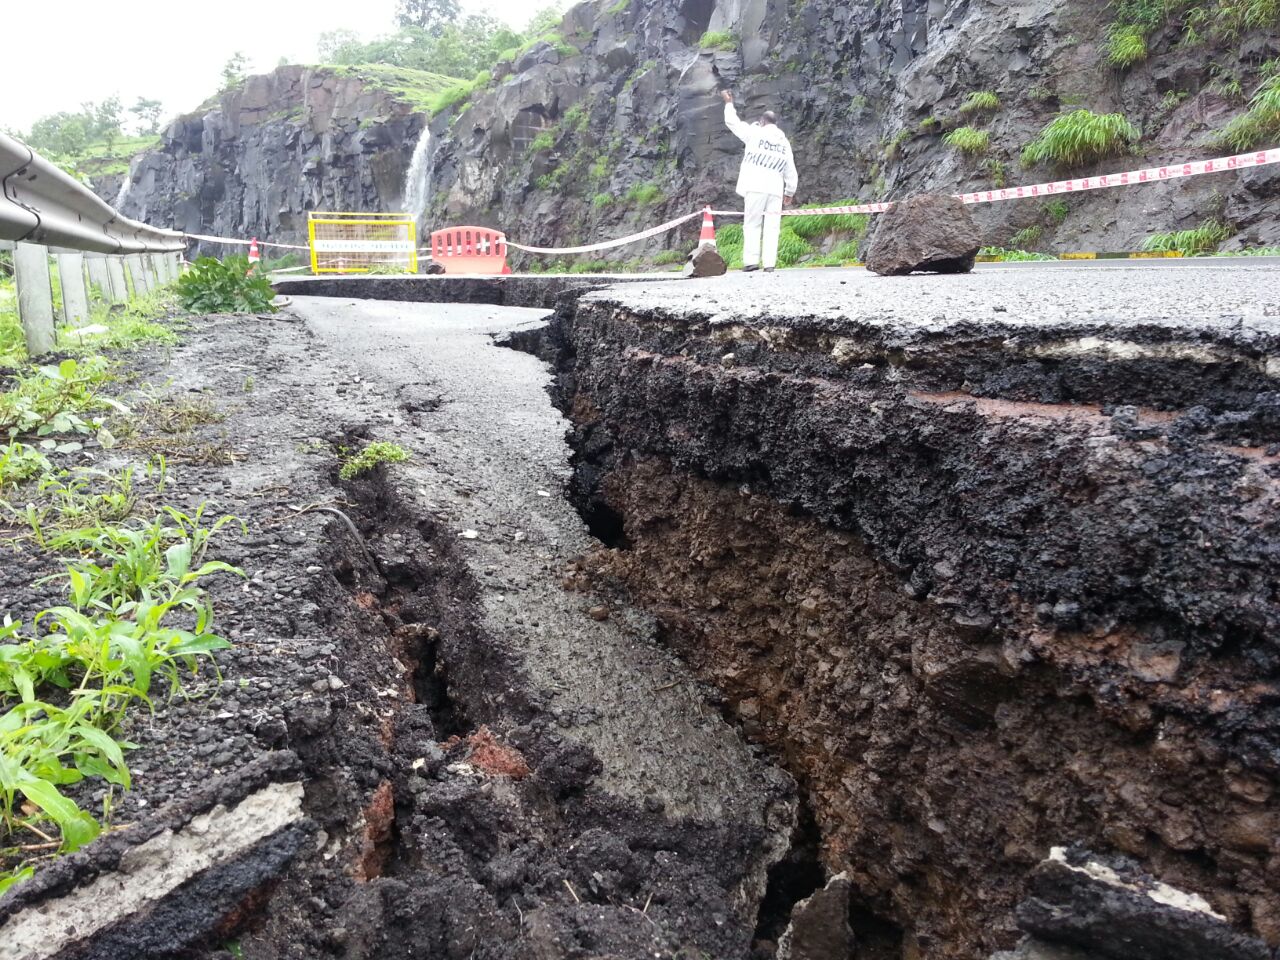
(740, 129)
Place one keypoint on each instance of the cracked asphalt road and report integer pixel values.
(491, 461)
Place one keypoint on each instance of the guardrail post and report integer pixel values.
(137, 273)
(75, 297)
(119, 287)
(98, 275)
(35, 297)
(160, 262)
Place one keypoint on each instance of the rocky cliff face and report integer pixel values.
(255, 160)
(553, 151)
(617, 124)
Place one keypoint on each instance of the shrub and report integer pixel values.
(645, 194)
(601, 200)
(51, 400)
(981, 101)
(373, 455)
(600, 168)
(1205, 238)
(224, 286)
(1080, 137)
(666, 257)
(1126, 45)
(996, 169)
(968, 140)
(718, 40)
(929, 124)
(450, 97)
(1057, 211)
(1261, 122)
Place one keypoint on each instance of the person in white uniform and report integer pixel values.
(766, 181)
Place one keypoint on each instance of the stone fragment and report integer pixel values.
(930, 232)
(819, 928)
(705, 262)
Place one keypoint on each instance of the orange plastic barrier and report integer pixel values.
(470, 250)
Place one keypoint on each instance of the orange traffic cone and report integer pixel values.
(254, 255)
(708, 228)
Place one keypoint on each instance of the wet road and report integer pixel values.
(491, 462)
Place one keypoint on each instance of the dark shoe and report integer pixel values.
(750, 269)
(768, 269)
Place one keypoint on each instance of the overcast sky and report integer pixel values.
(59, 53)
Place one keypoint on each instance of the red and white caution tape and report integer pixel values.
(1128, 178)
(245, 243)
(610, 244)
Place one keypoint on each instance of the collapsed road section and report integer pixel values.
(990, 570)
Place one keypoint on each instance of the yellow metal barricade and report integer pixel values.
(362, 242)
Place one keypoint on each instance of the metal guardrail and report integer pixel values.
(39, 203)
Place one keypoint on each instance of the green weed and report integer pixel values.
(1057, 211)
(1026, 237)
(373, 455)
(810, 226)
(1079, 137)
(1002, 255)
(667, 257)
(1126, 45)
(20, 463)
(58, 399)
(645, 194)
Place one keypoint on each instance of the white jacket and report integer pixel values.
(768, 166)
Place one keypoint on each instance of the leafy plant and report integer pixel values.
(980, 101)
(602, 200)
(997, 170)
(52, 399)
(968, 140)
(1026, 237)
(224, 286)
(667, 257)
(19, 463)
(1081, 136)
(374, 454)
(718, 40)
(543, 141)
(1204, 238)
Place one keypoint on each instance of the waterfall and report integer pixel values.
(417, 181)
(123, 193)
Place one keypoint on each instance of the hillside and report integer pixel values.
(613, 122)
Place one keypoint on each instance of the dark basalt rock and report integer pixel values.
(1112, 909)
(931, 233)
(819, 927)
(705, 262)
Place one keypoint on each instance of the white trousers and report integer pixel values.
(763, 220)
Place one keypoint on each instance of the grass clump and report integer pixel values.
(718, 40)
(1205, 238)
(980, 101)
(1079, 137)
(1002, 255)
(1126, 45)
(968, 140)
(372, 456)
(664, 258)
(225, 286)
(810, 226)
(645, 194)
(602, 200)
(1026, 237)
(543, 141)
(1057, 210)
(1260, 124)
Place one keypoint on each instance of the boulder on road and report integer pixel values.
(430, 266)
(931, 232)
(705, 262)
